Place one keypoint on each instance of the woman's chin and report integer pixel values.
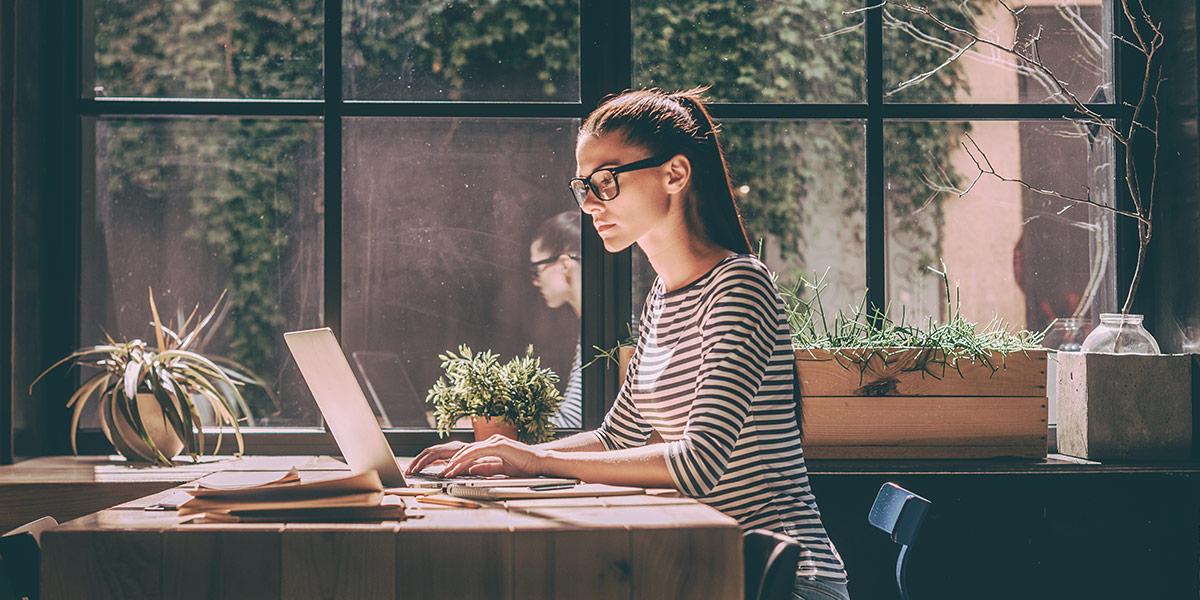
(614, 244)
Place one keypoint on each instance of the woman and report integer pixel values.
(713, 372)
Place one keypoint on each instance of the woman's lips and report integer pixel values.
(602, 227)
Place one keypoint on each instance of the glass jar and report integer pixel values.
(1067, 334)
(1120, 334)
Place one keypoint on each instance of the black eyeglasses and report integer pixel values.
(536, 266)
(603, 182)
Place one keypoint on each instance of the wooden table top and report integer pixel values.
(638, 546)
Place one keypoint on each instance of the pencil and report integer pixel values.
(447, 501)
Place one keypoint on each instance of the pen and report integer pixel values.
(444, 501)
(551, 486)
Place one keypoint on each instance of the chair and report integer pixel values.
(770, 561)
(899, 513)
(20, 559)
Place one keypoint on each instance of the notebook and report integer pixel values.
(327, 497)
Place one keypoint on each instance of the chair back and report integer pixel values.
(21, 558)
(770, 561)
(899, 513)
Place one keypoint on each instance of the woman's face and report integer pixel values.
(643, 202)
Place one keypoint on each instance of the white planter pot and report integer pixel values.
(157, 426)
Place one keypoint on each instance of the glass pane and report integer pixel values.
(785, 51)
(457, 50)
(209, 49)
(1014, 254)
(800, 188)
(194, 207)
(440, 220)
(1075, 43)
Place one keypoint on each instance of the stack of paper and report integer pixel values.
(257, 497)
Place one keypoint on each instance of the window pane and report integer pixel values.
(440, 216)
(1013, 254)
(1075, 43)
(458, 50)
(785, 51)
(211, 49)
(800, 188)
(194, 207)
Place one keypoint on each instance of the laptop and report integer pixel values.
(353, 424)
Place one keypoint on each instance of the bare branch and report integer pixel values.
(984, 165)
(930, 73)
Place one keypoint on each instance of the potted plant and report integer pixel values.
(516, 399)
(150, 395)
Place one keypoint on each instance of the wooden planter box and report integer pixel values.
(904, 404)
(896, 409)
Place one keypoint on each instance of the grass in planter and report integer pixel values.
(866, 333)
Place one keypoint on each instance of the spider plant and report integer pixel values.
(174, 372)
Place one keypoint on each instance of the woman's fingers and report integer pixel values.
(487, 467)
(434, 453)
(468, 454)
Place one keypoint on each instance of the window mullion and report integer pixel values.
(606, 67)
(876, 211)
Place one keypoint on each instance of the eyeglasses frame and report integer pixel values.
(645, 163)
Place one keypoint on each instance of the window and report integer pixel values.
(385, 167)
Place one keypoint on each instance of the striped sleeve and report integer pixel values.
(737, 337)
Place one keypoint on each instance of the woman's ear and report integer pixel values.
(679, 173)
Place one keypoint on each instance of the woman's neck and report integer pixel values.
(679, 258)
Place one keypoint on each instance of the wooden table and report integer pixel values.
(68, 487)
(619, 547)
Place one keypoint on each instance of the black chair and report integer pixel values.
(899, 513)
(770, 561)
(21, 558)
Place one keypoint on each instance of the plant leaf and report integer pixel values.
(171, 410)
(82, 352)
(187, 339)
(133, 373)
(79, 399)
(158, 332)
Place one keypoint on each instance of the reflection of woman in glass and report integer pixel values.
(713, 373)
(554, 266)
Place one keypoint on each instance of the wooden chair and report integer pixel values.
(20, 559)
(770, 561)
(899, 513)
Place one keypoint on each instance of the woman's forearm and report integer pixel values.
(585, 441)
(645, 466)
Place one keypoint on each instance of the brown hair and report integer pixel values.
(679, 123)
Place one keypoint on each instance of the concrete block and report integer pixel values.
(1124, 406)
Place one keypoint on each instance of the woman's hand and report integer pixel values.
(434, 454)
(494, 456)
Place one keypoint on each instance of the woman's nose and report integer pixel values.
(591, 205)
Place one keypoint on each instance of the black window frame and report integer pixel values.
(606, 65)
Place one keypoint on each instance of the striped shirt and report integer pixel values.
(712, 374)
(570, 412)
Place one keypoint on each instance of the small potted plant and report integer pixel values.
(516, 399)
(151, 395)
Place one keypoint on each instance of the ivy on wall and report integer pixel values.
(240, 183)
